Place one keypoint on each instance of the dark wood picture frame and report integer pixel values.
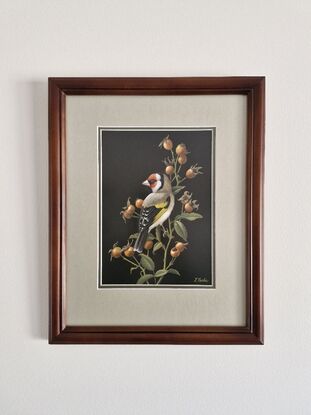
(252, 332)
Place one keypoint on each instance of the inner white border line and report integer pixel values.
(101, 286)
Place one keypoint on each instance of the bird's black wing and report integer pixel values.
(146, 217)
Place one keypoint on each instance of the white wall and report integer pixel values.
(41, 38)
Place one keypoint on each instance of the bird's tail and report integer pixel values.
(140, 241)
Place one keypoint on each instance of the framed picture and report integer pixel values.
(156, 210)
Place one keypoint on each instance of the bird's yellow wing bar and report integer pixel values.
(158, 215)
(163, 207)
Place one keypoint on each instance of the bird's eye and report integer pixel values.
(152, 181)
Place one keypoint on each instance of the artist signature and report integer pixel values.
(200, 280)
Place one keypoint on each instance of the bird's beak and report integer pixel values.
(146, 183)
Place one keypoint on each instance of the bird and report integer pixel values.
(156, 209)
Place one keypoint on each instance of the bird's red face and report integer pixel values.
(154, 181)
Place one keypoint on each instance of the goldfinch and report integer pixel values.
(156, 209)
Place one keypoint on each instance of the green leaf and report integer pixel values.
(157, 246)
(144, 278)
(146, 262)
(161, 273)
(158, 233)
(181, 230)
(177, 189)
(134, 236)
(190, 216)
(173, 271)
(150, 237)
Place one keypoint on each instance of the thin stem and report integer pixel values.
(135, 259)
(175, 166)
(178, 169)
(168, 267)
(169, 241)
(171, 263)
(163, 230)
(170, 237)
(125, 259)
(133, 263)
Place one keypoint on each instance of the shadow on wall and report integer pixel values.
(36, 202)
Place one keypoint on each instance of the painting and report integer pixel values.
(156, 207)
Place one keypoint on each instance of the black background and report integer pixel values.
(128, 158)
